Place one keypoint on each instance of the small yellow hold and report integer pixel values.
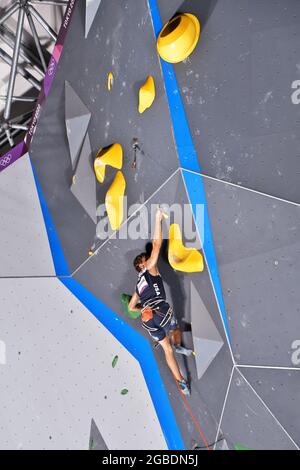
(73, 179)
(188, 260)
(91, 253)
(146, 94)
(110, 81)
(178, 38)
(112, 156)
(114, 201)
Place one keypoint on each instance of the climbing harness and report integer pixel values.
(153, 307)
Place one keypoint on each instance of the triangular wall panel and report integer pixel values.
(77, 118)
(248, 423)
(91, 9)
(207, 340)
(84, 182)
(96, 440)
(280, 390)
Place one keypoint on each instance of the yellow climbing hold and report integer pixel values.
(178, 38)
(110, 81)
(114, 201)
(146, 94)
(188, 260)
(112, 156)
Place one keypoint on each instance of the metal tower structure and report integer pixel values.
(34, 63)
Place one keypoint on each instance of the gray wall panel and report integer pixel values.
(280, 390)
(24, 246)
(258, 252)
(237, 89)
(248, 423)
(115, 118)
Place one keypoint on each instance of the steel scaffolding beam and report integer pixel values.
(13, 70)
(36, 39)
(9, 127)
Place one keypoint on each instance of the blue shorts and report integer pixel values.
(161, 332)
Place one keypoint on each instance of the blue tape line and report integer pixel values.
(184, 142)
(196, 192)
(142, 351)
(60, 264)
(188, 160)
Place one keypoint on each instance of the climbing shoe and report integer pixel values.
(184, 388)
(182, 350)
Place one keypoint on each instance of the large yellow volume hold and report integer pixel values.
(146, 94)
(188, 260)
(114, 201)
(112, 156)
(178, 38)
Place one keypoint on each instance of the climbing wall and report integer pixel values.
(239, 90)
(212, 364)
(247, 421)
(59, 375)
(279, 389)
(114, 116)
(259, 264)
(222, 134)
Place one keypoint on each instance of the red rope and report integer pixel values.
(193, 417)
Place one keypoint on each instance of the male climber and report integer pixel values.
(156, 314)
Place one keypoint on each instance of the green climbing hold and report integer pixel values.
(115, 360)
(124, 391)
(241, 447)
(125, 299)
(92, 445)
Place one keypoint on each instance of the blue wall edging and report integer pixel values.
(60, 264)
(127, 336)
(183, 139)
(142, 351)
(196, 192)
(189, 161)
